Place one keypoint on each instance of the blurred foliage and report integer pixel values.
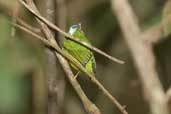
(18, 61)
(21, 56)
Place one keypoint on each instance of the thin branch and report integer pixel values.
(92, 77)
(143, 55)
(70, 36)
(6, 10)
(22, 22)
(61, 17)
(76, 63)
(151, 35)
(54, 46)
(51, 12)
(89, 106)
(152, 31)
(42, 39)
(154, 34)
(51, 66)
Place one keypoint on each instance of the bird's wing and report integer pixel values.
(91, 65)
(82, 54)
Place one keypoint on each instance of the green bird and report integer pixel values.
(81, 53)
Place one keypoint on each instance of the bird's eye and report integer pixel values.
(74, 26)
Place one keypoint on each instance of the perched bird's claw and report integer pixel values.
(75, 77)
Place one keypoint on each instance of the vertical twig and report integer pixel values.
(61, 17)
(68, 36)
(52, 40)
(52, 82)
(89, 106)
(143, 56)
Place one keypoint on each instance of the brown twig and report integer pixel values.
(149, 32)
(76, 63)
(143, 56)
(9, 12)
(151, 35)
(69, 36)
(61, 17)
(89, 106)
(60, 20)
(22, 22)
(154, 34)
(52, 76)
(82, 68)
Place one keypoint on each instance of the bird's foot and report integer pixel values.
(75, 77)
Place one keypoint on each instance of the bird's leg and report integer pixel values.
(75, 77)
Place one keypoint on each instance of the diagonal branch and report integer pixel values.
(142, 53)
(89, 106)
(68, 35)
(55, 82)
(154, 34)
(76, 63)
(49, 36)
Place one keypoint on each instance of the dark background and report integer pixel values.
(23, 87)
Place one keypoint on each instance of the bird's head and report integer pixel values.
(74, 28)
